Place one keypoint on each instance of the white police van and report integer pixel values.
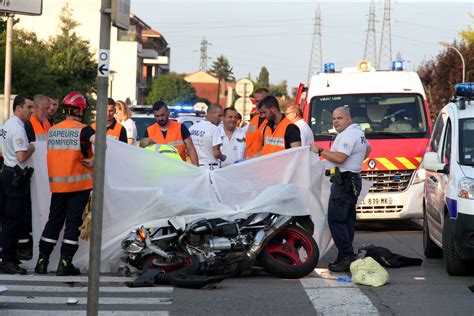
(448, 228)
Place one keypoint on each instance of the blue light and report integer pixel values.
(177, 107)
(188, 108)
(329, 68)
(465, 89)
(397, 65)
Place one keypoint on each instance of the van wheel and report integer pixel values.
(455, 265)
(430, 249)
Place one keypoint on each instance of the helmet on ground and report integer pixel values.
(74, 101)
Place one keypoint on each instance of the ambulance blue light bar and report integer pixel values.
(397, 65)
(329, 68)
(465, 89)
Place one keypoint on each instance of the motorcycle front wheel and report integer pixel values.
(291, 254)
(182, 262)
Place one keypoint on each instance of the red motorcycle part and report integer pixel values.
(180, 262)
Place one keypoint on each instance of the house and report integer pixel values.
(206, 86)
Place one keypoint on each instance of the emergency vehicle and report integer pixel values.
(448, 226)
(392, 110)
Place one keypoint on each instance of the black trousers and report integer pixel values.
(25, 240)
(66, 208)
(14, 202)
(342, 217)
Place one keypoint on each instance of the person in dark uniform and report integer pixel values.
(15, 182)
(115, 130)
(344, 163)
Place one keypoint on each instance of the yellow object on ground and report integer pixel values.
(86, 221)
(367, 271)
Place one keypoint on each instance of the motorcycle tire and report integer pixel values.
(282, 255)
(187, 264)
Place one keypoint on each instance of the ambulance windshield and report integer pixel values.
(379, 115)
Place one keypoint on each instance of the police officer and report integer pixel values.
(15, 181)
(344, 163)
(70, 174)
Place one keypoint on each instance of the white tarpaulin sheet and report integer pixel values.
(145, 188)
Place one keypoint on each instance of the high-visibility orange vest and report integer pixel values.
(173, 136)
(275, 141)
(47, 125)
(112, 132)
(254, 136)
(40, 130)
(65, 170)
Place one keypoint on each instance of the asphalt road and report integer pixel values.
(420, 290)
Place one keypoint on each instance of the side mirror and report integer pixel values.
(431, 163)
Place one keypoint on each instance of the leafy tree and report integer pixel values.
(263, 79)
(172, 89)
(71, 60)
(468, 35)
(223, 71)
(30, 74)
(279, 90)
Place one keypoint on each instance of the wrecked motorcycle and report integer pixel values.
(282, 245)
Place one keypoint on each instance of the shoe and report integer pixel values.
(338, 259)
(65, 267)
(343, 265)
(24, 254)
(10, 267)
(42, 264)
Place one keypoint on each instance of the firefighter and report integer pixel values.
(254, 134)
(280, 133)
(115, 130)
(70, 174)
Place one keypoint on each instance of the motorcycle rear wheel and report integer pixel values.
(291, 254)
(181, 263)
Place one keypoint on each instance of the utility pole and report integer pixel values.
(385, 52)
(8, 67)
(370, 51)
(316, 59)
(203, 63)
(99, 160)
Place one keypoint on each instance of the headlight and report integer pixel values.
(466, 188)
(420, 175)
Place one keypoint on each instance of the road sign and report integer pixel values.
(120, 14)
(103, 66)
(244, 87)
(244, 106)
(27, 7)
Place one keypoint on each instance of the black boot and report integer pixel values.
(42, 264)
(343, 265)
(11, 267)
(65, 267)
(25, 254)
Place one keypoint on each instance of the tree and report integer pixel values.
(263, 79)
(71, 61)
(279, 90)
(223, 71)
(172, 89)
(468, 35)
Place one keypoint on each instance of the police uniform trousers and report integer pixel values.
(342, 216)
(66, 209)
(15, 203)
(25, 240)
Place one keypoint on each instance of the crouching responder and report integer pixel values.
(70, 178)
(343, 164)
(163, 149)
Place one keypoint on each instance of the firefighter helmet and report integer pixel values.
(74, 101)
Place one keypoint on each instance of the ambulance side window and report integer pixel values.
(447, 144)
(437, 132)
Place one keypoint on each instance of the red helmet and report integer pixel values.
(74, 101)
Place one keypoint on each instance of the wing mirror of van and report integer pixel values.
(431, 163)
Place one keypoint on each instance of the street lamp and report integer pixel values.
(446, 44)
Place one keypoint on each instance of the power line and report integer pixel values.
(203, 63)
(316, 59)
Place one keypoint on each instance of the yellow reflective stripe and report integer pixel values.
(275, 141)
(176, 143)
(407, 163)
(387, 163)
(418, 159)
(71, 179)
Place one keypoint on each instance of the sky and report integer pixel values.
(278, 34)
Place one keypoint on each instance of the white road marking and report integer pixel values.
(331, 297)
(83, 300)
(55, 278)
(83, 289)
(25, 312)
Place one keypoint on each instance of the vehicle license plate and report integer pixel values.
(377, 201)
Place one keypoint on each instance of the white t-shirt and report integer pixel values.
(233, 148)
(131, 129)
(307, 136)
(353, 143)
(14, 140)
(205, 135)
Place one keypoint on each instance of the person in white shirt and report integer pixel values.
(207, 139)
(124, 116)
(15, 181)
(233, 138)
(294, 114)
